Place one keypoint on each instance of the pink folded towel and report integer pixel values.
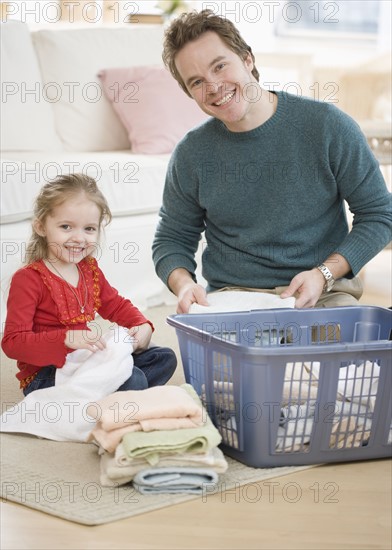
(160, 407)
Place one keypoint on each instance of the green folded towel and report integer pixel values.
(187, 440)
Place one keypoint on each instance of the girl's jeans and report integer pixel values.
(152, 367)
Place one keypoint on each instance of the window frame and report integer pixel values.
(285, 29)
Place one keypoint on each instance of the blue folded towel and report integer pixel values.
(173, 480)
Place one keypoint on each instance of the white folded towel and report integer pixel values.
(241, 300)
(119, 470)
(60, 412)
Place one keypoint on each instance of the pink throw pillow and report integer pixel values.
(153, 108)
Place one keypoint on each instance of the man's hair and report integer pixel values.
(190, 26)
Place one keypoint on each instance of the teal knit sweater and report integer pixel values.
(270, 201)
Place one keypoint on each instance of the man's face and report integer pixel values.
(218, 80)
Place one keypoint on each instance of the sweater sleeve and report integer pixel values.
(117, 309)
(22, 340)
(361, 184)
(181, 219)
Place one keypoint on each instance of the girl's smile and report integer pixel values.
(71, 230)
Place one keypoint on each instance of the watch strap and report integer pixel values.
(329, 280)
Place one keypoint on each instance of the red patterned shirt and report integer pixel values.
(41, 308)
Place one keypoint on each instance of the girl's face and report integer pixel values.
(72, 230)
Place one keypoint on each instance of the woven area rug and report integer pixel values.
(62, 479)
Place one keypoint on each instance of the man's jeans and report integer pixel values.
(152, 367)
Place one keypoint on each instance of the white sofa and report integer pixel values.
(55, 120)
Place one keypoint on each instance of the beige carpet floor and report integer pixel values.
(62, 479)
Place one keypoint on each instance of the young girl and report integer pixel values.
(61, 289)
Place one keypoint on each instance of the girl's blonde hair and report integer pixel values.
(54, 193)
(190, 26)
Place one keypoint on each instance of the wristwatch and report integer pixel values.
(329, 280)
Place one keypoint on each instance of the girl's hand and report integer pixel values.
(141, 336)
(83, 339)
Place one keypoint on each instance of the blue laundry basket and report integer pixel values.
(291, 387)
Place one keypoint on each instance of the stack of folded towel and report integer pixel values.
(160, 438)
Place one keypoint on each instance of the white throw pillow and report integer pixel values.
(27, 117)
(71, 60)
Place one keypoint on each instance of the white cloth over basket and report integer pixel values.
(241, 300)
(60, 412)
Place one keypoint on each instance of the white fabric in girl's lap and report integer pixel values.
(60, 412)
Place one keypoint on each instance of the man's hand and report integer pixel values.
(141, 336)
(187, 291)
(189, 294)
(84, 339)
(307, 286)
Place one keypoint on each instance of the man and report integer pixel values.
(265, 178)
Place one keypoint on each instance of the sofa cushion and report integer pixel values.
(71, 59)
(132, 184)
(27, 117)
(153, 108)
